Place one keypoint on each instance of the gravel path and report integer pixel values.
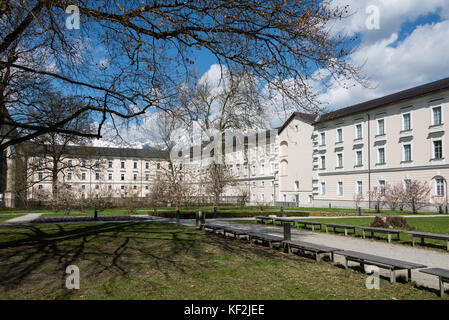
(430, 258)
(23, 219)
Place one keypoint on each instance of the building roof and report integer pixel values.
(305, 116)
(403, 95)
(104, 152)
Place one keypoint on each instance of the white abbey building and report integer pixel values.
(313, 160)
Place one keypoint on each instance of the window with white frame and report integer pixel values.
(323, 162)
(381, 155)
(122, 177)
(358, 131)
(97, 176)
(339, 135)
(254, 170)
(135, 164)
(40, 175)
(69, 176)
(358, 156)
(340, 188)
(339, 160)
(439, 184)
(406, 122)
(437, 149)
(110, 164)
(407, 152)
(382, 187)
(83, 176)
(436, 116)
(359, 188)
(381, 126)
(323, 188)
(122, 165)
(110, 176)
(296, 185)
(323, 138)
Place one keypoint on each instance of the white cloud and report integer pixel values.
(419, 58)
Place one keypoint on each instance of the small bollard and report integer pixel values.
(178, 215)
(282, 211)
(360, 211)
(95, 214)
(215, 211)
(287, 231)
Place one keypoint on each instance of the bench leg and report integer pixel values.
(447, 245)
(409, 275)
(389, 238)
(363, 233)
(313, 227)
(270, 244)
(413, 241)
(346, 232)
(392, 276)
(399, 238)
(346, 263)
(289, 249)
(362, 266)
(441, 287)
(318, 257)
(422, 241)
(328, 232)
(332, 256)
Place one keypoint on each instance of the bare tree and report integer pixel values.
(154, 43)
(217, 179)
(358, 198)
(64, 199)
(416, 194)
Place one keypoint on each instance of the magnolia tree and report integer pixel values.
(377, 196)
(416, 194)
(358, 198)
(394, 195)
(65, 200)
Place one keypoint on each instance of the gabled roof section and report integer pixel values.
(307, 117)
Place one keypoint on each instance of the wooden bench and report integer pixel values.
(263, 219)
(212, 227)
(381, 262)
(316, 249)
(335, 226)
(422, 235)
(237, 233)
(283, 220)
(442, 274)
(373, 230)
(306, 223)
(265, 238)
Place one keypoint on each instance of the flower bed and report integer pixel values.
(87, 219)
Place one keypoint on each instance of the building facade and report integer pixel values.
(313, 160)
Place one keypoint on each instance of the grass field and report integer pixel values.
(163, 261)
(250, 210)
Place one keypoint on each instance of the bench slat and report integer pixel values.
(382, 260)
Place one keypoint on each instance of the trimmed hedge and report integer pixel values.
(190, 214)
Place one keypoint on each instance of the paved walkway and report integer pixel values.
(23, 219)
(430, 258)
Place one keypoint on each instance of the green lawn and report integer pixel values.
(163, 261)
(251, 210)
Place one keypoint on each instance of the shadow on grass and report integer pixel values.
(105, 250)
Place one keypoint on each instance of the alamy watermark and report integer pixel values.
(372, 22)
(372, 281)
(73, 20)
(73, 280)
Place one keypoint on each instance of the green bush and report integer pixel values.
(190, 214)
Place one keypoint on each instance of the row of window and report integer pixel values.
(437, 153)
(406, 126)
(439, 187)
